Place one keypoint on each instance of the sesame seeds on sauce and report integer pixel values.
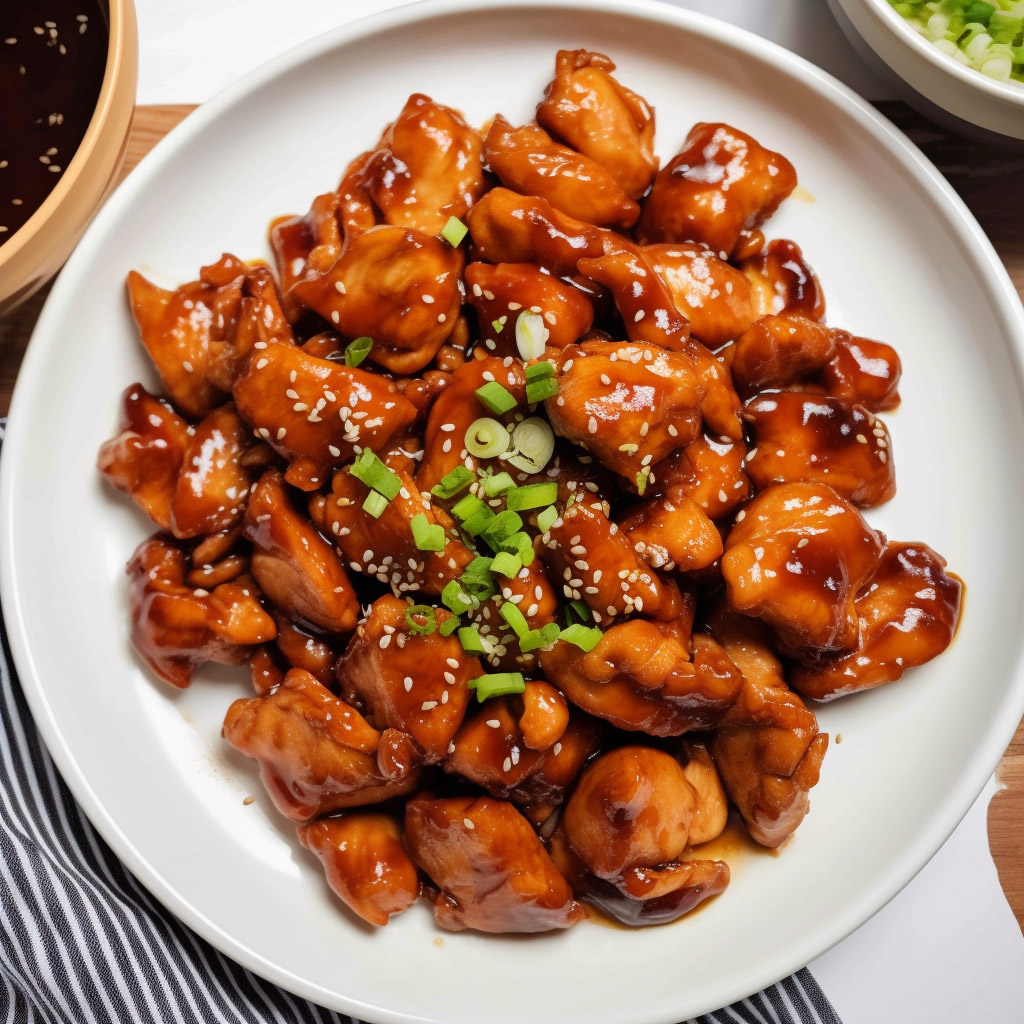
(50, 76)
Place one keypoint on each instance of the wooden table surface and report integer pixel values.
(989, 182)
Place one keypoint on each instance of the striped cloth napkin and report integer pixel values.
(81, 942)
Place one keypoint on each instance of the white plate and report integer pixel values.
(900, 259)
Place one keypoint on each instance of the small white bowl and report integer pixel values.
(941, 81)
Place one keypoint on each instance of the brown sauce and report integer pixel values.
(52, 58)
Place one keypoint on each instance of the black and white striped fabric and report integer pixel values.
(81, 942)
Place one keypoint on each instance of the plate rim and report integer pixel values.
(962, 224)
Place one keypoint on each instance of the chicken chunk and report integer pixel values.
(427, 167)
(783, 281)
(819, 439)
(865, 371)
(528, 160)
(295, 567)
(672, 533)
(710, 472)
(316, 753)
(796, 558)
(588, 109)
(640, 677)
(301, 649)
(907, 617)
(711, 811)
(491, 869)
(175, 628)
(631, 405)
(721, 183)
(366, 863)
(413, 683)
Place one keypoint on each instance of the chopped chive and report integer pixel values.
(375, 503)
(531, 335)
(498, 484)
(577, 611)
(532, 496)
(356, 351)
(424, 612)
(502, 526)
(455, 597)
(469, 637)
(451, 483)
(515, 618)
(641, 479)
(533, 442)
(477, 579)
(467, 506)
(520, 544)
(507, 564)
(497, 684)
(540, 370)
(478, 522)
(454, 231)
(499, 324)
(427, 535)
(372, 472)
(486, 438)
(583, 637)
(540, 390)
(537, 638)
(497, 398)
(449, 625)
(546, 518)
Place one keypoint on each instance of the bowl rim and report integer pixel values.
(1010, 92)
(975, 772)
(118, 39)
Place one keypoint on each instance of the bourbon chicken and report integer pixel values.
(528, 487)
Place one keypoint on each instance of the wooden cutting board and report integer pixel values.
(989, 182)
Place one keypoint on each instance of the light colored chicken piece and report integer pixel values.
(710, 472)
(783, 282)
(711, 811)
(672, 533)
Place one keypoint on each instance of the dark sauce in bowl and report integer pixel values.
(52, 58)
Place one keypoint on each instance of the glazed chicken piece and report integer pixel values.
(628, 404)
(783, 281)
(317, 411)
(500, 293)
(708, 471)
(384, 547)
(316, 753)
(819, 439)
(640, 677)
(601, 565)
(627, 824)
(642, 298)
(426, 168)
(509, 228)
(491, 869)
(175, 628)
(396, 285)
(301, 649)
(672, 533)
(294, 566)
(721, 183)
(528, 160)
(588, 109)
(414, 684)
(769, 752)
(455, 410)
(907, 617)
(711, 810)
(366, 863)
(796, 558)
(713, 295)
(796, 352)
(507, 739)
(266, 670)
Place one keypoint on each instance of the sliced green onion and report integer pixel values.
(583, 637)
(520, 544)
(449, 625)
(515, 618)
(497, 398)
(641, 479)
(427, 535)
(546, 518)
(477, 579)
(531, 496)
(502, 526)
(499, 324)
(455, 597)
(578, 611)
(540, 370)
(469, 637)
(541, 390)
(372, 472)
(533, 444)
(375, 503)
(531, 335)
(497, 684)
(507, 564)
(451, 483)
(454, 231)
(420, 611)
(356, 351)
(467, 506)
(478, 522)
(486, 438)
(537, 638)
(498, 484)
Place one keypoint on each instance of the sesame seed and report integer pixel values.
(428, 705)
(384, 641)
(468, 824)
(506, 765)
(449, 678)
(334, 450)
(335, 316)
(281, 431)
(339, 287)
(428, 299)
(592, 425)
(407, 683)
(493, 723)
